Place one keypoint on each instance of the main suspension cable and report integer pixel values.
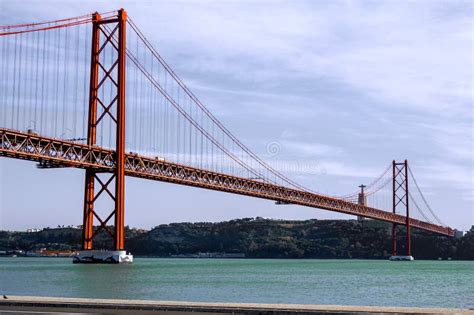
(424, 199)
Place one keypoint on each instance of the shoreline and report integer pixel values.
(241, 258)
(113, 306)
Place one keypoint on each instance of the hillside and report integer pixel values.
(258, 238)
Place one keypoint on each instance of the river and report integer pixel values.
(343, 282)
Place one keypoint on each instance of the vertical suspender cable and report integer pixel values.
(6, 68)
(19, 82)
(152, 114)
(178, 117)
(36, 78)
(166, 120)
(76, 83)
(111, 88)
(84, 88)
(26, 105)
(56, 91)
(65, 78)
(14, 82)
(135, 112)
(43, 82)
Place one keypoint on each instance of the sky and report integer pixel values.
(342, 88)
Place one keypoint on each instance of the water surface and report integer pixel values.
(344, 282)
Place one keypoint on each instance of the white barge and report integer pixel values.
(102, 257)
(401, 258)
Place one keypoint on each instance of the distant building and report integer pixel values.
(458, 234)
(33, 230)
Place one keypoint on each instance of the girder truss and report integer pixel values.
(51, 151)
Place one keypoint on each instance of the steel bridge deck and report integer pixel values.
(56, 152)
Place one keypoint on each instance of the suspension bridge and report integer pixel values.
(92, 92)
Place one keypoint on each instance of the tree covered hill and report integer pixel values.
(258, 238)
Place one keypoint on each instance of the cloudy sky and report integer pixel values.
(343, 87)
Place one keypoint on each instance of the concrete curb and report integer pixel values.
(106, 306)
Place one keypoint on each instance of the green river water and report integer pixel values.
(343, 282)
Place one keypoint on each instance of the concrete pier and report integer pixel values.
(43, 305)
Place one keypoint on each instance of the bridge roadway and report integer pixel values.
(60, 153)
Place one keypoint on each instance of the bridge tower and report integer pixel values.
(114, 111)
(400, 202)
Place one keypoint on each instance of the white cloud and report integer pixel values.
(304, 149)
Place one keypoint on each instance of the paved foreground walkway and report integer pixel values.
(47, 305)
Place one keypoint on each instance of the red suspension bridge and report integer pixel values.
(92, 92)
